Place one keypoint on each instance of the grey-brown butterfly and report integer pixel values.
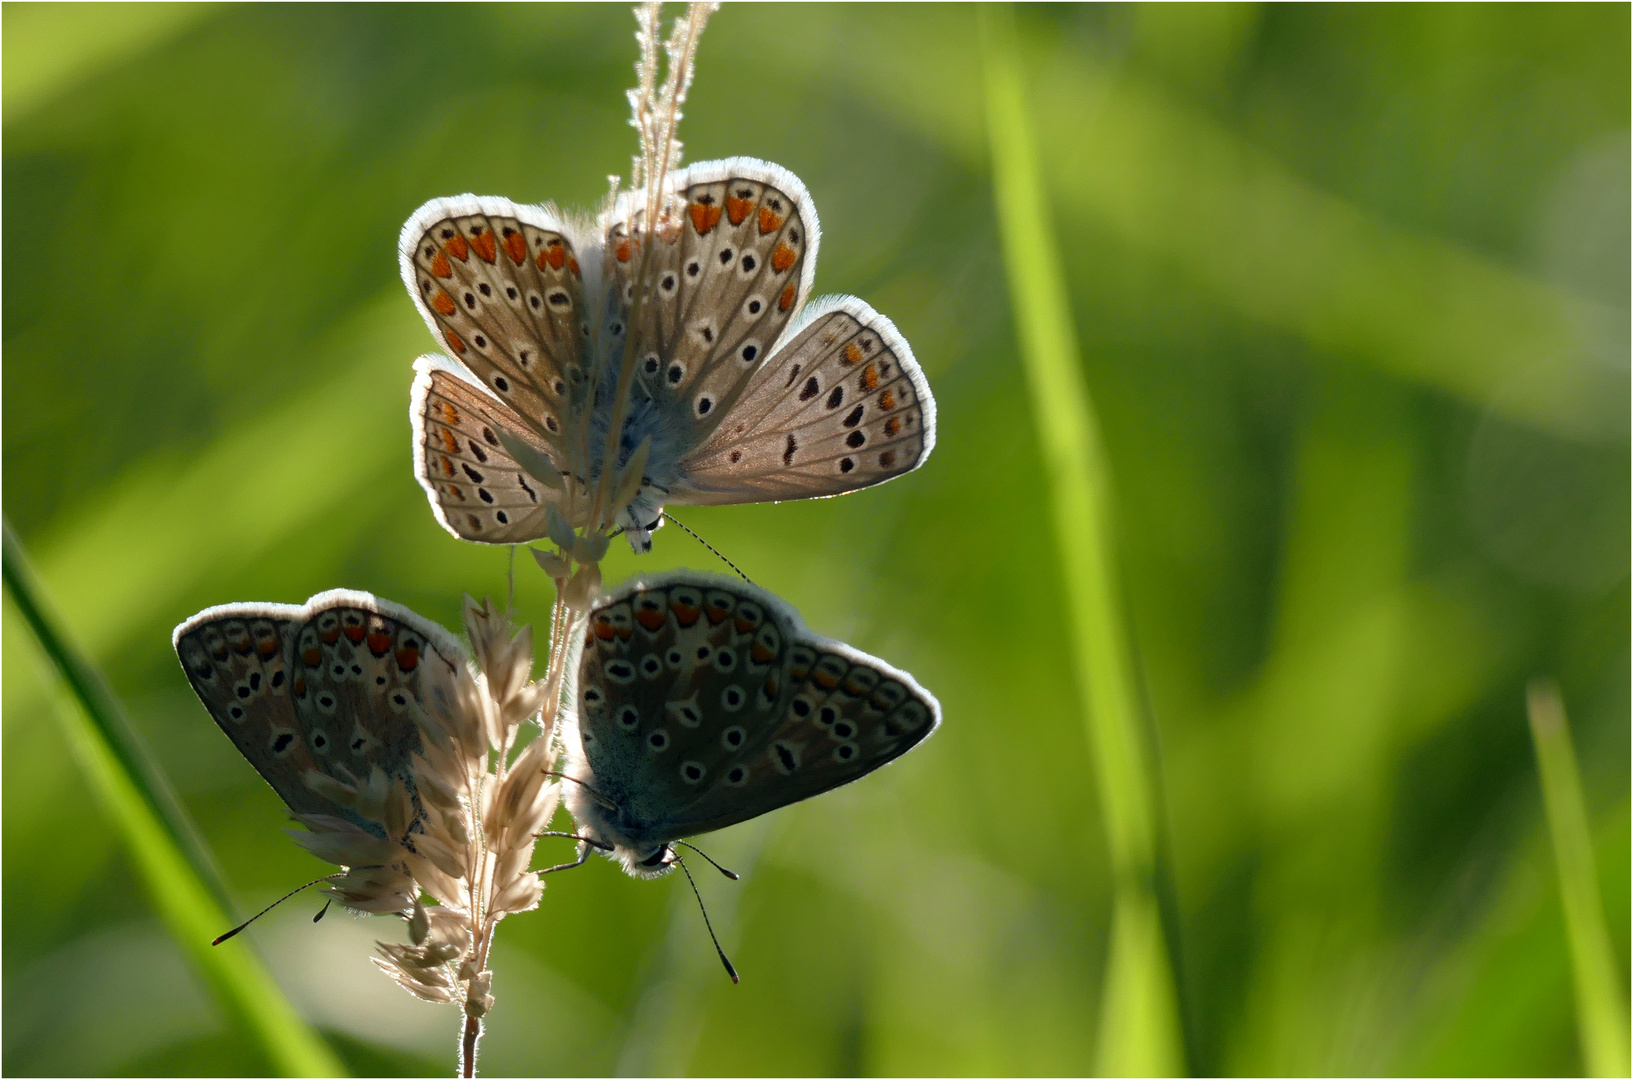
(703, 701)
(739, 390)
(322, 695)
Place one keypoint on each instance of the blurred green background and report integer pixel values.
(1351, 285)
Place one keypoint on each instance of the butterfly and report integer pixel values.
(702, 702)
(738, 389)
(321, 699)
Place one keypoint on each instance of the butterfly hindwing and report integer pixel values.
(846, 714)
(329, 688)
(843, 406)
(501, 287)
(477, 490)
(723, 283)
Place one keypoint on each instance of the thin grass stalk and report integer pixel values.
(165, 850)
(1139, 1026)
(1601, 1012)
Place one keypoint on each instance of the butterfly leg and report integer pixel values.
(585, 845)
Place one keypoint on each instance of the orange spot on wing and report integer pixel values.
(761, 655)
(887, 400)
(440, 267)
(329, 637)
(783, 257)
(313, 656)
(484, 245)
(408, 658)
(447, 467)
(893, 426)
(555, 255)
(625, 632)
(870, 377)
(443, 303)
(458, 248)
(516, 248)
(267, 646)
(459, 492)
(572, 264)
(651, 619)
(704, 217)
(300, 685)
(604, 629)
(743, 625)
(625, 248)
(449, 413)
(787, 300)
(716, 615)
(825, 680)
(354, 634)
(685, 614)
(379, 642)
(853, 355)
(737, 209)
(448, 441)
(454, 343)
(769, 220)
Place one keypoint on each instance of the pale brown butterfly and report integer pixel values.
(741, 391)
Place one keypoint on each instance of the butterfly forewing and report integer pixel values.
(478, 490)
(701, 705)
(842, 406)
(329, 689)
(501, 286)
(672, 682)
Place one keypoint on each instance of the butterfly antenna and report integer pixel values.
(734, 875)
(235, 931)
(706, 924)
(673, 521)
(510, 582)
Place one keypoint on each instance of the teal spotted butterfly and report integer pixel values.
(320, 693)
(702, 702)
(739, 390)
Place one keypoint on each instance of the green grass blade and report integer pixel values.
(1139, 1028)
(165, 851)
(1601, 1015)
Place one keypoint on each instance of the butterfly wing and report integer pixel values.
(842, 406)
(701, 705)
(722, 284)
(478, 491)
(324, 690)
(500, 285)
(845, 714)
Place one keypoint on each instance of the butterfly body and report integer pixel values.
(693, 337)
(702, 702)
